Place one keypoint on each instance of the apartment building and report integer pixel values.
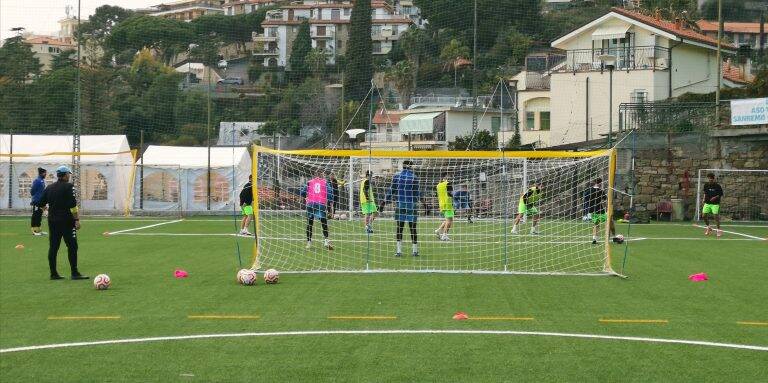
(740, 34)
(186, 10)
(239, 7)
(329, 28)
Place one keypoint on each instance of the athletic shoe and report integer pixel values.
(415, 253)
(444, 237)
(327, 244)
(56, 277)
(719, 233)
(439, 236)
(469, 219)
(514, 231)
(534, 232)
(398, 254)
(309, 244)
(37, 233)
(707, 231)
(594, 242)
(368, 229)
(79, 276)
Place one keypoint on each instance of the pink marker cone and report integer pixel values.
(699, 277)
(460, 315)
(179, 273)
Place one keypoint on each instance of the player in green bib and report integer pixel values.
(445, 201)
(529, 206)
(368, 202)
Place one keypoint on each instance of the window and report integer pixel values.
(375, 30)
(320, 44)
(530, 120)
(346, 11)
(97, 184)
(338, 44)
(161, 186)
(320, 30)
(544, 120)
(335, 14)
(495, 124)
(377, 47)
(25, 185)
(639, 96)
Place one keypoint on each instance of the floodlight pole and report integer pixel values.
(78, 116)
(719, 59)
(474, 75)
(610, 103)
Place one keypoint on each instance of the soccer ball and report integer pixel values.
(343, 216)
(246, 277)
(102, 282)
(618, 239)
(271, 276)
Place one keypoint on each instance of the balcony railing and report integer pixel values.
(627, 58)
(667, 117)
(267, 52)
(535, 80)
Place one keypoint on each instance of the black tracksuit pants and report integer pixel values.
(62, 230)
(37, 216)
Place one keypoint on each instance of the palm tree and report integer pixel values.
(316, 61)
(415, 43)
(401, 76)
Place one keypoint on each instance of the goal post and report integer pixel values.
(745, 193)
(485, 188)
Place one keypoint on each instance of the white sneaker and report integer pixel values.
(248, 233)
(327, 244)
(309, 244)
(514, 231)
(534, 232)
(444, 237)
(37, 233)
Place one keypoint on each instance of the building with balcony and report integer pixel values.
(431, 128)
(239, 7)
(329, 28)
(633, 56)
(741, 34)
(186, 10)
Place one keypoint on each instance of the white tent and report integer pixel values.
(106, 169)
(175, 178)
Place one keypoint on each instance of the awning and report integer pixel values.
(418, 123)
(610, 32)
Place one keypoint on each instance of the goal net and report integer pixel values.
(745, 193)
(486, 188)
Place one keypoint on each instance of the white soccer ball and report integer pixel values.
(620, 237)
(271, 276)
(246, 277)
(336, 216)
(102, 282)
(343, 216)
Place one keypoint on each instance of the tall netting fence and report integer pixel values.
(413, 74)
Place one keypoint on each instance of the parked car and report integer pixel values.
(231, 81)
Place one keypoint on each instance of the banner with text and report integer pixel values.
(752, 111)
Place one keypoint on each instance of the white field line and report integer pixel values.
(187, 235)
(144, 227)
(736, 233)
(387, 332)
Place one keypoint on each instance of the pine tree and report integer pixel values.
(297, 64)
(359, 68)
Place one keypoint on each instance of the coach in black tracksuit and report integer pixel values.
(63, 221)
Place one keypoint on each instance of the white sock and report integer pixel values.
(514, 228)
(594, 238)
(399, 247)
(415, 247)
(326, 242)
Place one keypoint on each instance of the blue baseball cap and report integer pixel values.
(63, 169)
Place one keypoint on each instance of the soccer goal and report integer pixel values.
(486, 188)
(745, 193)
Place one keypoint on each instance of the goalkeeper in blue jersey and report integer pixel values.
(529, 206)
(404, 192)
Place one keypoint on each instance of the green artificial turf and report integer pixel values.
(151, 302)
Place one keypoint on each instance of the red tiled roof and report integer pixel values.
(733, 73)
(49, 40)
(669, 27)
(385, 118)
(711, 26)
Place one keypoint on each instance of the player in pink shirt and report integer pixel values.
(317, 195)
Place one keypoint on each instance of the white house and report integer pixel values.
(430, 128)
(329, 28)
(653, 59)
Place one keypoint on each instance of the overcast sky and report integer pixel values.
(41, 16)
